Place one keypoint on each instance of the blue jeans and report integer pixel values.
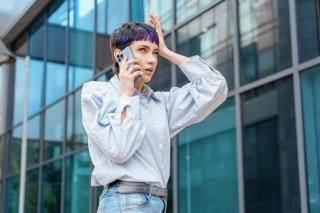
(111, 201)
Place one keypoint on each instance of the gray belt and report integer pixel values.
(137, 187)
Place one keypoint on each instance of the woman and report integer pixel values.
(129, 126)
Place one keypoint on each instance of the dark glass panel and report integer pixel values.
(33, 141)
(106, 76)
(270, 149)
(264, 38)
(308, 28)
(55, 82)
(11, 204)
(1, 156)
(31, 193)
(77, 190)
(36, 39)
(210, 36)
(208, 164)
(54, 130)
(51, 187)
(310, 96)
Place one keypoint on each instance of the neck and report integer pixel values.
(139, 85)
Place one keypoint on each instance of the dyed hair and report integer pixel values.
(128, 33)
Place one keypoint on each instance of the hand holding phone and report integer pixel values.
(127, 51)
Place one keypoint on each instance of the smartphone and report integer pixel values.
(127, 51)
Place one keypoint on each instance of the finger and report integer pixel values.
(133, 61)
(137, 73)
(134, 68)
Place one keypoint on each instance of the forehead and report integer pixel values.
(147, 43)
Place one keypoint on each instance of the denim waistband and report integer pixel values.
(138, 187)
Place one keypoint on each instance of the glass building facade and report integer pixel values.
(258, 152)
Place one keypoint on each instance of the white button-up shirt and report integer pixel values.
(138, 149)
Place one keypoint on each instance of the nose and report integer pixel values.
(151, 58)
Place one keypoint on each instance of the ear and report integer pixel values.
(116, 52)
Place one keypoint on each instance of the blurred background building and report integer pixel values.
(257, 153)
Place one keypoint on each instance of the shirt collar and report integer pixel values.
(146, 89)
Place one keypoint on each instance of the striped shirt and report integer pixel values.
(138, 148)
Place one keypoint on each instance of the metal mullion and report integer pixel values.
(42, 111)
(308, 64)
(239, 141)
(298, 109)
(175, 145)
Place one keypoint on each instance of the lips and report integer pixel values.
(149, 69)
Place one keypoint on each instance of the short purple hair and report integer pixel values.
(129, 32)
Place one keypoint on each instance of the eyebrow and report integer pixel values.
(145, 46)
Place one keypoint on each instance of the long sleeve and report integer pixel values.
(194, 101)
(101, 117)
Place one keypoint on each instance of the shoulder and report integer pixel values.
(96, 88)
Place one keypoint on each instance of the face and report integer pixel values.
(147, 52)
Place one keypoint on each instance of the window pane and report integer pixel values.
(208, 164)
(18, 91)
(264, 38)
(161, 81)
(36, 39)
(163, 10)
(77, 190)
(105, 77)
(35, 86)
(12, 195)
(56, 68)
(54, 131)
(76, 137)
(15, 150)
(210, 36)
(310, 87)
(51, 187)
(308, 29)
(270, 149)
(33, 141)
(31, 193)
(187, 8)
(81, 21)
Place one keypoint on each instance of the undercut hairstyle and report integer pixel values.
(128, 33)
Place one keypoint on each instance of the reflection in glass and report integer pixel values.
(56, 68)
(77, 189)
(11, 204)
(51, 187)
(36, 39)
(270, 149)
(35, 86)
(310, 87)
(265, 38)
(163, 10)
(81, 21)
(187, 8)
(18, 91)
(31, 193)
(76, 137)
(54, 130)
(55, 82)
(210, 36)
(308, 29)
(4, 92)
(161, 81)
(33, 141)
(208, 163)
(15, 150)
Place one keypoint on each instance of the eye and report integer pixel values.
(142, 49)
(156, 53)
